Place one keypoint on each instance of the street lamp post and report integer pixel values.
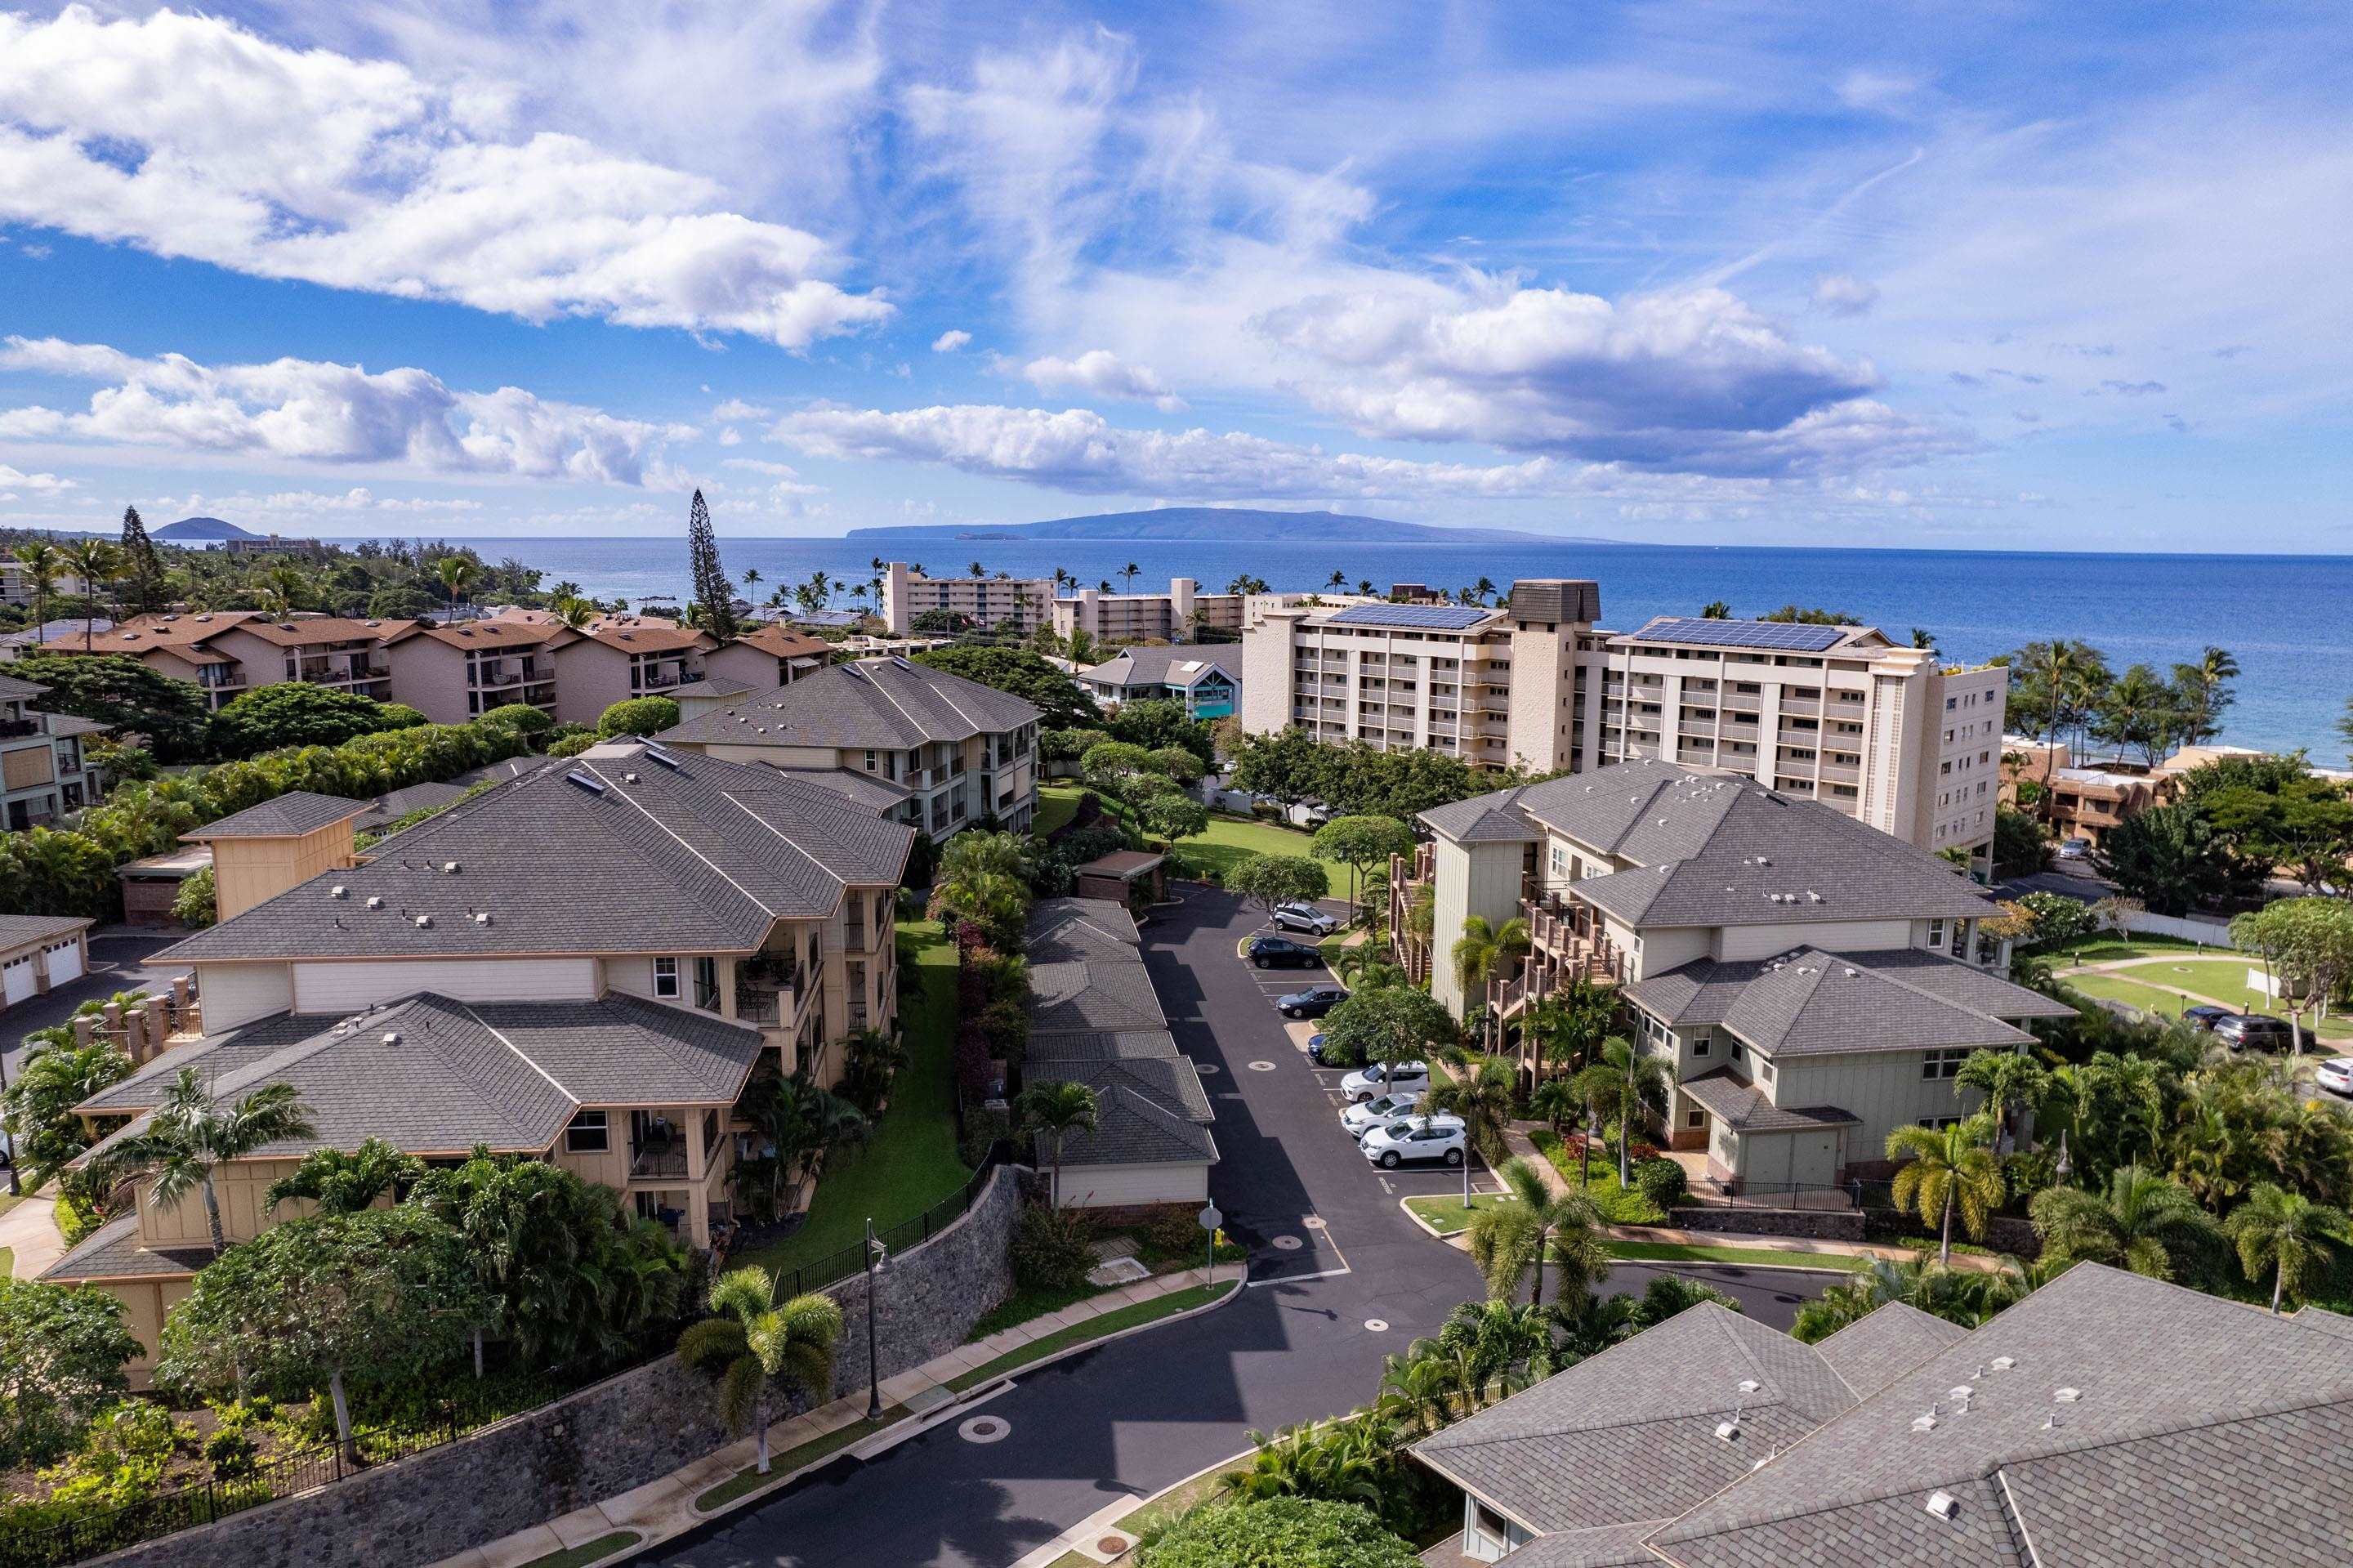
(13, 1190)
(877, 1256)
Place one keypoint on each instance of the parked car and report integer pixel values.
(1282, 953)
(1378, 1079)
(1316, 1054)
(2336, 1075)
(2205, 1015)
(2075, 849)
(1417, 1138)
(1361, 1117)
(2255, 1032)
(1314, 1003)
(1304, 917)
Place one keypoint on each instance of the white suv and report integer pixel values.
(1416, 1137)
(1404, 1077)
(1365, 1114)
(1304, 917)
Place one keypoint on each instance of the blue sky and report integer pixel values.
(2000, 276)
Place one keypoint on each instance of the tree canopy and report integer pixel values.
(637, 716)
(118, 690)
(1279, 1532)
(1267, 880)
(1019, 673)
(295, 713)
(2171, 858)
(63, 1350)
(1392, 1023)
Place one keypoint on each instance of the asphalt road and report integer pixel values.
(118, 958)
(1138, 1415)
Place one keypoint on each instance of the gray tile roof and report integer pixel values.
(1872, 1351)
(610, 851)
(1069, 928)
(295, 813)
(1134, 1128)
(114, 1251)
(1810, 1003)
(1745, 1108)
(1611, 1546)
(1167, 666)
(395, 804)
(508, 1073)
(888, 703)
(871, 790)
(1094, 1045)
(1093, 994)
(13, 689)
(1169, 1081)
(65, 725)
(16, 930)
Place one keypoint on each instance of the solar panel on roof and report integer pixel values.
(1795, 636)
(1437, 617)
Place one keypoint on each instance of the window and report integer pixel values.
(587, 1134)
(1944, 1064)
(1560, 861)
(1764, 1070)
(666, 978)
(1938, 1123)
(1936, 933)
(1694, 1117)
(1739, 1051)
(706, 984)
(1702, 1044)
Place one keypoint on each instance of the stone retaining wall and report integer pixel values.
(607, 1438)
(1821, 1224)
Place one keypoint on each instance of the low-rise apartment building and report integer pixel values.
(997, 604)
(455, 674)
(1887, 734)
(42, 770)
(617, 659)
(768, 656)
(345, 653)
(2086, 803)
(1179, 615)
(1812, 984)
(951, 751)
(1207, 679)
(16, 584)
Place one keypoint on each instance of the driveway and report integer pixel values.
(118, 962)
(1332, 1255)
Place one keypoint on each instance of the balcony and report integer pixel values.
(1741, 702)
(659, 1150)
(1803, 707)
(18, 729)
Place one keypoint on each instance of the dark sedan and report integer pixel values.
(1314, 1003)
(2205, 1015)
(1282, 953)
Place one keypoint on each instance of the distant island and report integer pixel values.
(200, 531)
(1228, 525)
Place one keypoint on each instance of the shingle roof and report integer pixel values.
(1134, 1128)
(452, 1074)
(321, 628)
(1092, 993)
(886, 703)
(114, 1251)
(290, 815)
(868, 790)
(395, 804)
(63, 724)
(141, 634)
(1880, 1345)
(16, 691)
(1082, 921)
(1745, 1108)
(646, 637)
(16, 930)
(482, 633)
(614, 850)
(1173, 666)
(1808, 1002)
(784, 642)
(1170, 1081)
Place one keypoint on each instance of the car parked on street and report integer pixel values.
(1418, 1137)
(2336, 1075)
(1314, 1003)
(2075, 849)
(1303, 917)
(1382, 1079)
(1282, 953)
(2255, 1032)
(2205, 1015)
(1360, 1117)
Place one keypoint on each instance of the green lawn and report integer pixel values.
(1227, 840)
(1097, 1327)
(587, 1552)
(2149, 999)
(1597, 1182)
(1448, 1214)
(7, 1262)
(1056, 804)
(2223, 980)
(911, 1162)
(1753, 1257)
(2107, 948)
(749, 1479)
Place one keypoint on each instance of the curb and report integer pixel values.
(1447, 1236)
(1005, 1379)
(1107, 1518)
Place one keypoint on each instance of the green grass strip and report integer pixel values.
(1110, 1322)
(749, 1478)
(587, 1552)
(1752, 1256)
(1447, 1214)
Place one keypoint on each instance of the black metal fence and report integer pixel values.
(836, 1266)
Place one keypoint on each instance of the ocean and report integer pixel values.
(2284, 617)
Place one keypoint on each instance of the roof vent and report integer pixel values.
(669, 759)
(1764, 860)
(2004, 1363)
(375, 903)
(581, 778)
(1728, 1430)
(2068, 1396)
(450, 867)
(200, 619)
(628, 777)
(423, 921)
(482, 917)
(392, 1036)
(1849, 973)
(339, 891)
(1944, 1505)
(1923, 1424)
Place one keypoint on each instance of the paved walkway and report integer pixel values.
(29, 1231)
(663, 1509)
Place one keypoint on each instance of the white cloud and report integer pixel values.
(736, 408)
(190, 137)
(1838, 294)
(1102, 373)
(760, 465)
(950, 341)
(731, 437)
(1078, 450)
(39, 483)
(311, 411)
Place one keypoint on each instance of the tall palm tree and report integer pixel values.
(1715, 609)
(1625, 1087)
(573, 611)
(1127, 575)
(1481, 947)
(1483, 1098)
(1339, 579)
(342, 1183)
(191, 1135)
(2202, 684)
(751, 1343)
(751, 577)
(1510, 1239)
(41, 563)
(457, 575)
(1945, 1171)
(2286, 1233)
(2142, 1223)
(2011, 1081)
(1058, 1109)
(1571, 1022)
(98, 564)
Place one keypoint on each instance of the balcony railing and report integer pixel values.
(18, 729)
(658, 1157)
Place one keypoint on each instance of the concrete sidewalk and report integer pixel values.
(29, 1231)
(665, 1507)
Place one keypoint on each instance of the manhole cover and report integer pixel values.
(1262, 1067)
(1312, 1222)
(1377, 1325)
(1288, 1244)
(1112, 1545)
(984, 1429)
(1206, 1069)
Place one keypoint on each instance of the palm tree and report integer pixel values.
(41, 563)
(1625, 1087)
(1924, 637)
(190, 1134)
(342, 1183)
(1484, 587)
(1510, 1239)
(1570, 1022)
(1965, 1297)
(1127, 575)
(1556, 1102)
(1946, 1170)
(2011, 1081)
(973, 570)
(1058, 1108)
(800, 1123)
(750, 1344)
(1481, 947)
(573, 611)
(2286, 1234)
(1484, 1101)
(2201, 685)
(1715, 609)
(457, 575)
(2142, 1223)
(97, 564)
(751, 577)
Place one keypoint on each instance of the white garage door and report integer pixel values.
(65, 963)
(17, 980)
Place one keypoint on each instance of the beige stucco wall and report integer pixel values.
(590, 677)
(1833, 936)
(1468, 879)
(348, 985)
(740, 664)
(247, 871)
(430, 676)
(1882, 1087)
(241, 993)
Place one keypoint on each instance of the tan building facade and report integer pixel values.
(1006, 604)
(1178, 615)
(43, 772)
(455, 674)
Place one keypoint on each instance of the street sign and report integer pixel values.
(1211, 1218)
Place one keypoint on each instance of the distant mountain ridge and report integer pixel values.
(1225, 524)
(206, 530)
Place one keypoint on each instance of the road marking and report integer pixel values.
(1286, 1244)
(1301, 1279)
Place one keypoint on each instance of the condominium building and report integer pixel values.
(1207, 680)
(1179, 615)
(1887, 734)
(1812, 984)
(931, 749)
(16, 584)
(998, 604)
(768, 656)
(586, 963)
(617, 659)
(454, 674)
(42, 770)
(226, 653)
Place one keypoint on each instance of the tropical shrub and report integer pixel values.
(295, 713)
(196, 903)
(637, 716)
(1662, 1181)
(63, 1350)
(1280, 1532)
(1052, 1248)
(530, 720)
